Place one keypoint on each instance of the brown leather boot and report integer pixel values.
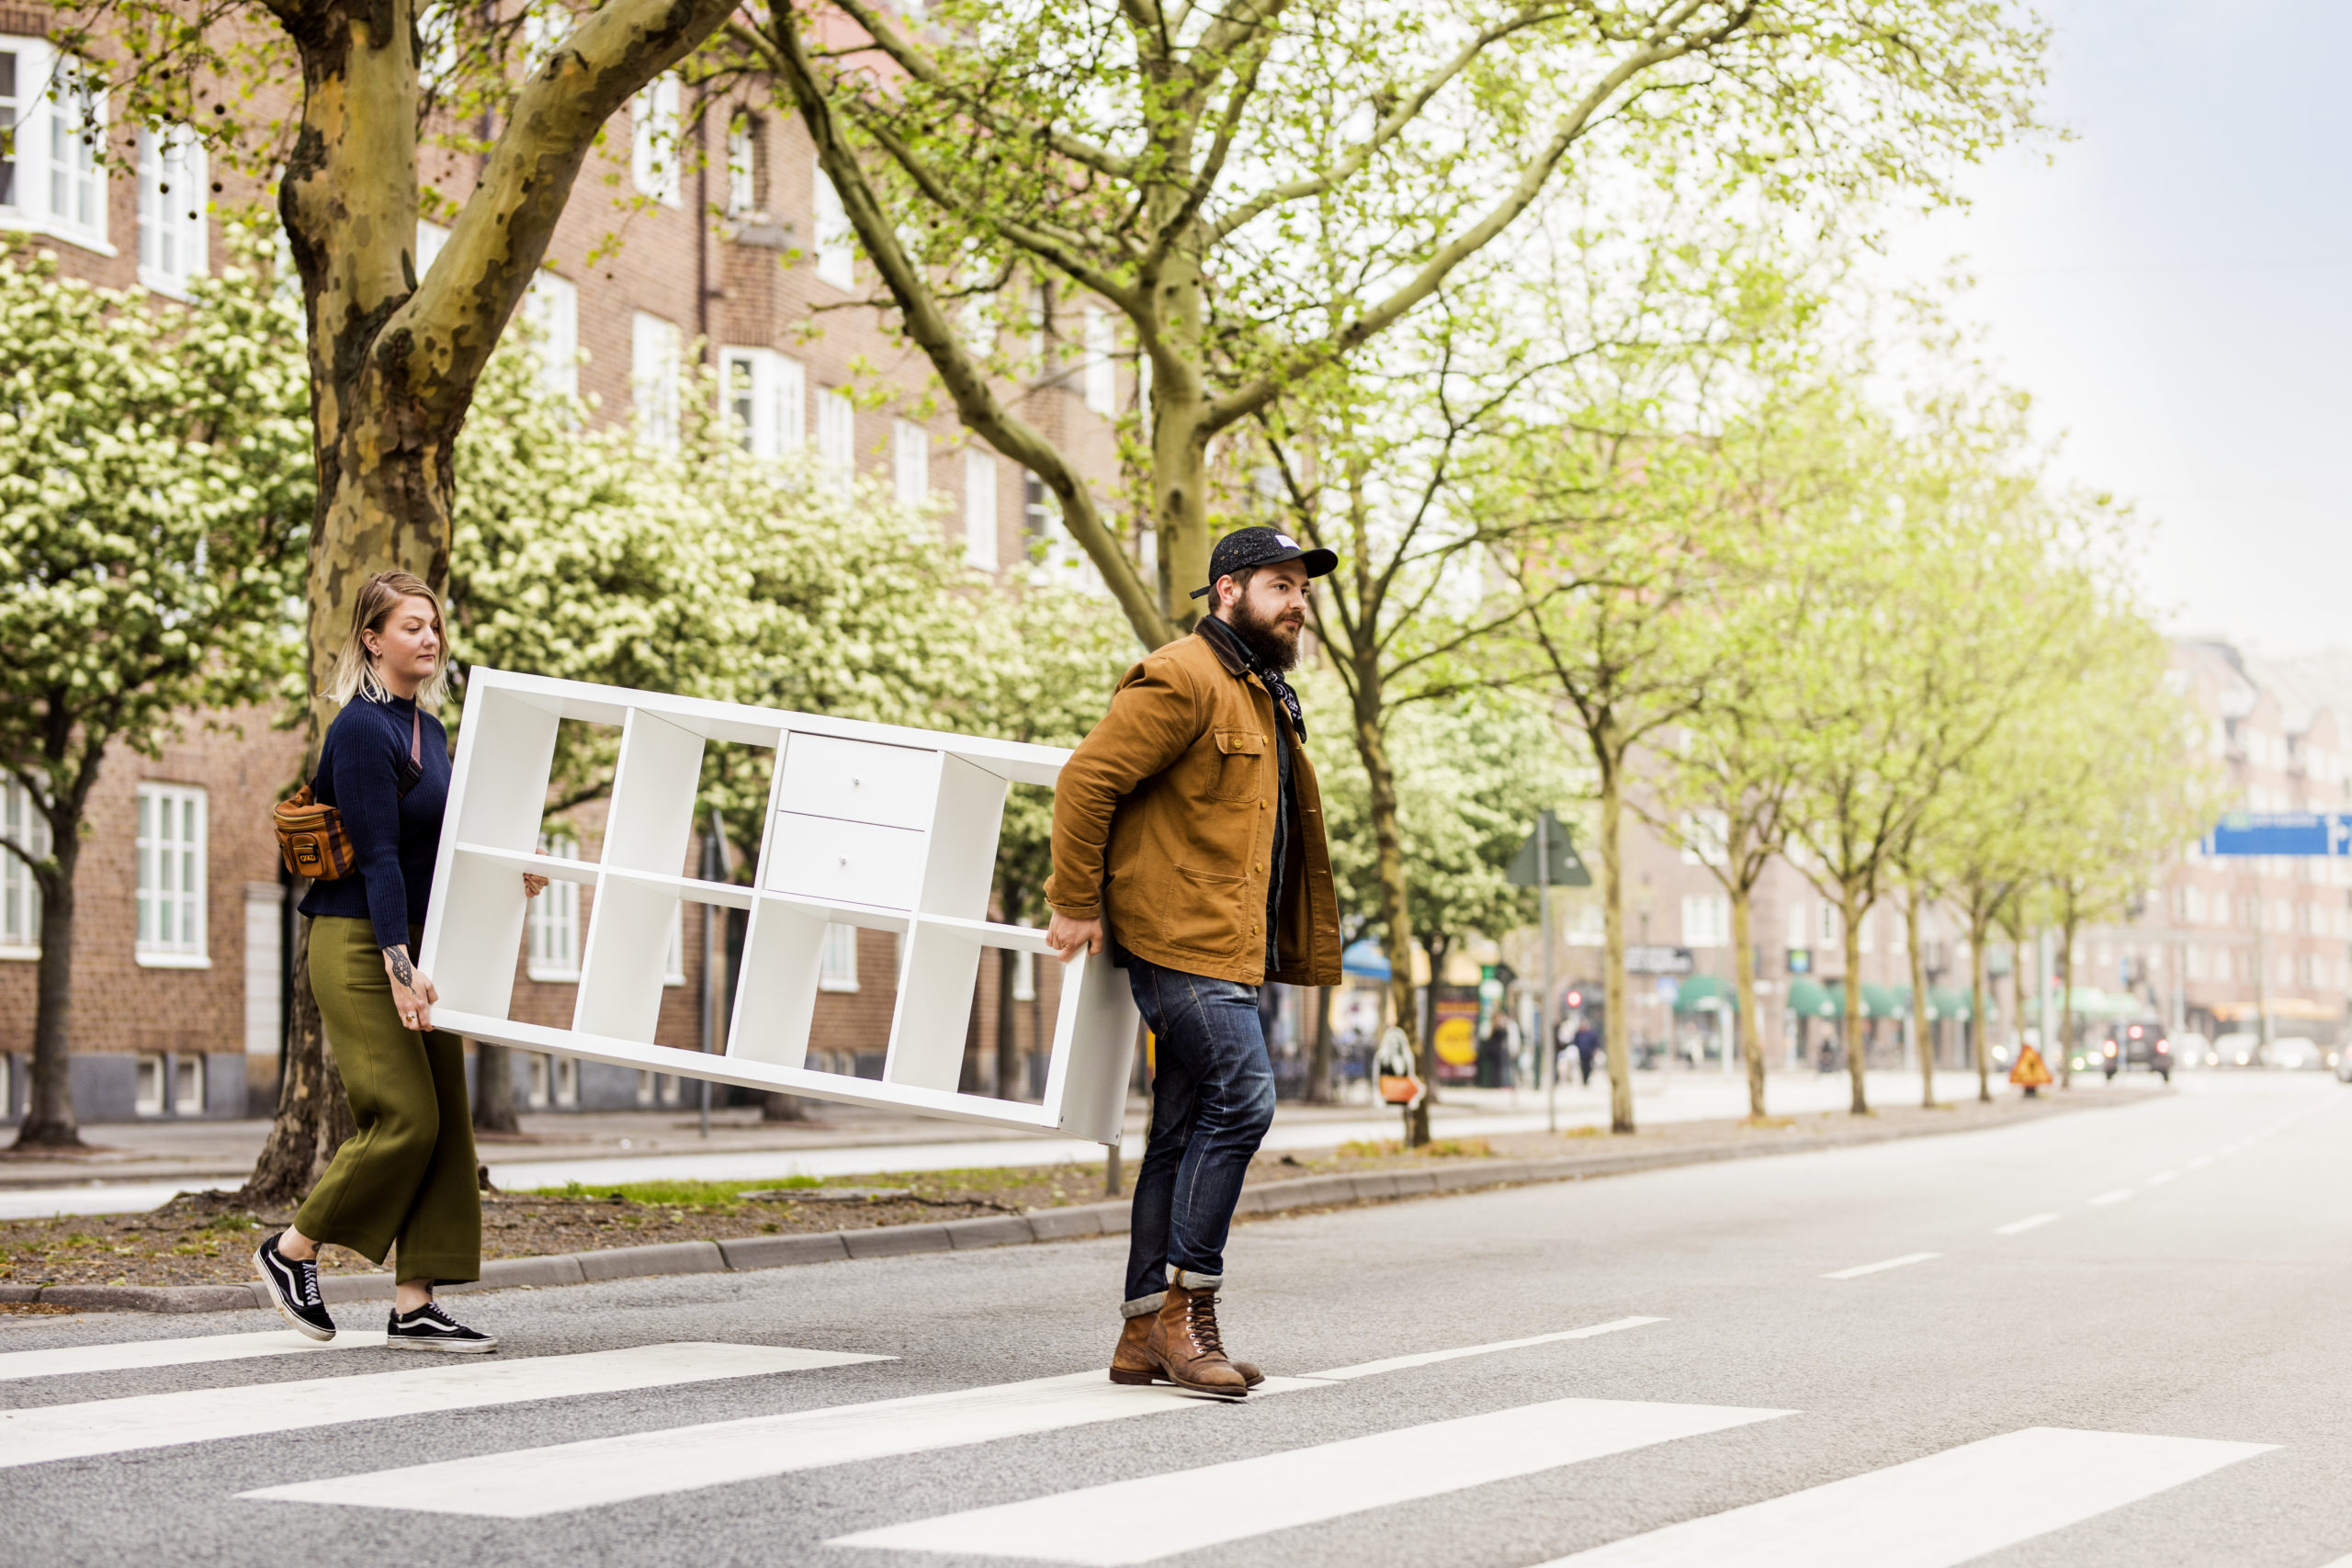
(1184, 1345)
(1131, 1363)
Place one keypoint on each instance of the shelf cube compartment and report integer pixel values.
(622, 962)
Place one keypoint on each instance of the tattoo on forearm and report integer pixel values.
(397, 958)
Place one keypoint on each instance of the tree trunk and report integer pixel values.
(1008, 1031)
(1920, 1037)
(1853, 910)
(1743, 969)
(2066, 1024)
(48, 1108)
(314, 1116)
(494, 1089)
(1977, 1016)
(1318, 1060)
(1614, 1044)
(1396, 898)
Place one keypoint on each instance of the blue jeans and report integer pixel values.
(1211, 1100)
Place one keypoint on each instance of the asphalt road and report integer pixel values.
(1878, 1356)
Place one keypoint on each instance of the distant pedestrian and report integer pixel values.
(1188, 841)
(1587, 1045)
(407, 1178)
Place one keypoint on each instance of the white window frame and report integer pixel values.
(1707, 920)
(831, 233)
(22, 822)
(174, 207)
(187, 1083)
(837, 436)
(565, 1073)
(535, 1086)
(149, 1089)
(656, 363)
(673, 959)
(742, 167)
(432, 238)
(172, 877)
(38, 121)
(981, 539)
(910, 461)
(1101, 377)
(551, 929)
(764, 394)
(552, 307)
(653, 141)
(837, 958)
(1024, 976)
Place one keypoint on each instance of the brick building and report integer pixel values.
(732, 245)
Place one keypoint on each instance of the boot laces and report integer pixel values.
(1200, 1323)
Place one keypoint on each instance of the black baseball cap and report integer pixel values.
(1245, 547)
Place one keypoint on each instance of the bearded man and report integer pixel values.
(1188, 837)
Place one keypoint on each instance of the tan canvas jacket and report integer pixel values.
(1164, 821)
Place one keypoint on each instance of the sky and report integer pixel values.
(2174, 286)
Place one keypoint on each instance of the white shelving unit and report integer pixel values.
(867, 824)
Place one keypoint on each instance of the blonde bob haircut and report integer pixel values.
(355, 668)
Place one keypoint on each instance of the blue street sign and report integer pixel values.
(2281, 834)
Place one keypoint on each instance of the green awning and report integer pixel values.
(1886, 1001)
(1951, 1001)
(1715, 991)
(1809, 998)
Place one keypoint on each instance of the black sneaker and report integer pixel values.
(430, 1328)
(294, 1289)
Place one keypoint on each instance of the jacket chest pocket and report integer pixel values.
(1241, 764)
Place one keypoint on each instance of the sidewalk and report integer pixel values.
(140, 1166)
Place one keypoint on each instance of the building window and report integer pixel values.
(172, 202)
(553, 928)
(535, 1094)
(1102, 370)
(1706, 919)
(742, 167)
(654, 148)
(567, 1081)
(147, 1089)
(1833, 927)
(1054, 555)
(171, 875)
(837, 436)
(837, 959)
(763, 390)
(77, 180)
(187, 1084)
(909, 462)
(979, 509)
(22, 825)
(551, 307)
(14, 81)
(432, 238)
(836, 254)
(1024, 976)
(52, 125)
(673, 959)
(654, 378)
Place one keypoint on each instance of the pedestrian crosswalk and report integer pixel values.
(1930, 1510)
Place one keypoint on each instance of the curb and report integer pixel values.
(1070, 1224)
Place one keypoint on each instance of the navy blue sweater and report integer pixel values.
(393, 840)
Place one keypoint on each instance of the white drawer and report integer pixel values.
(852, 862)
(858, 781)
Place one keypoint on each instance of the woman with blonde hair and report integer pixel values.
(407, 1178)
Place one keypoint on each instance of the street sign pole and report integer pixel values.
(1548, 1051)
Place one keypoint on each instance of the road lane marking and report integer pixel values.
(1947, 1509)
(1860, 1270)
(1429, 1358)
(204, 1415)
(139, 1354)
(2162, 1177)
(529, 1483)
(1157, 1516)
(2201, 1162)
(2019, 1227)
(2120, 1195)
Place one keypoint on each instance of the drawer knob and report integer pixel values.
(844, 860)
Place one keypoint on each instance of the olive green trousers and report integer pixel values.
(408, 1176)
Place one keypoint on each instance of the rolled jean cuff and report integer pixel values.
(1208, 1284)
(1143, 1306)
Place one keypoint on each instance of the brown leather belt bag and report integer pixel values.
(310, 838)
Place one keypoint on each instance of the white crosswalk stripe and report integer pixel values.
(529, 1483)
(194, 1415)
(1105, 1525)
(140, 1355)
(1934, 1512)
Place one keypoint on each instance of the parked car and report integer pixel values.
(2239, 1048)
(2191, 1049)
(2295, 1054)
(2140, 1043)
(2343, 1065)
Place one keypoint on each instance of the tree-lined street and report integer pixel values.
(2118, 1303)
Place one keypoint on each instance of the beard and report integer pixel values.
(1274, 642)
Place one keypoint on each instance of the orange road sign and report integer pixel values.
(2030, 1073)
